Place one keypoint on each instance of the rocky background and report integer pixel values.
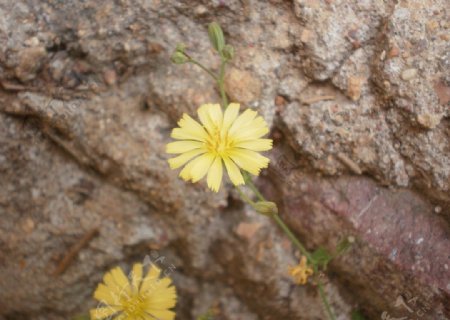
(357, 93)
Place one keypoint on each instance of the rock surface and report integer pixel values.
(357, 94)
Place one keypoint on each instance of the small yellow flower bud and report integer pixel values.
(228, 52)
(266, 208)
(179, 57)
(301, 272)
(216, 36)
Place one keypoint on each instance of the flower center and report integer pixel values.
(133, 306)
(218, 143)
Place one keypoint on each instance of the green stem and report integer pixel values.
(221, 84)
(244, 197)
(203, 68)
(325, 300)
(251, 185)
(292, 237)
(283, 226)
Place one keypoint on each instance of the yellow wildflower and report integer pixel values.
(150, 297)
(221, 139)
(301, 272)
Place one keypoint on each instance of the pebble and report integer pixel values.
(409, 74)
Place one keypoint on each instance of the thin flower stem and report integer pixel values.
(325, 300)
(283, 226)
(221, 84)
(193, 61)
(292, 237)
(252, 186)
(244, 197)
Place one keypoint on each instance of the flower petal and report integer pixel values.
(106, 296)
(205, 118)
(245, 118)
(233, 172)
(201, 166)
(248, 160)
(177, 162)
(189, 130)
(108, 279)
(230, 115)
(183, 146)
(136, 276)
(162, 314)
(185, 174)
(151, 279)
(252, 130)
(215, 114)
(215, 174)
(255, 145)
(161, 298)
(121, 280)
(101, 313)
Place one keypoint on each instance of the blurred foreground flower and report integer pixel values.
(148, 297)
(301, 272)
(221, 139)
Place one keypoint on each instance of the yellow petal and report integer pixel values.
(103, 312)
(183, 146)
(107, 296)
(255, 145)
(136, 276)
(205, 119)
(161, 298)
(177, 162)
(189, 130)
(233, 172)
(250, 134)
(201, 166)
(215, 174)
(249, 160)
(246, 117)
(150, 279)
(113, 287)
(215, 114)
(230, 114)
(162, 314)
(253, 130)
(185, 174)
(121, 280)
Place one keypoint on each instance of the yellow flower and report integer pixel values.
(150, 297)
(221, 139)
(301, 272)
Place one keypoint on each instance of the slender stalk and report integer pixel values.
(283, 226)
(325, 300)
(292, 237)
(221, 84)
(251, 185)
(244, 197)
(204, 68)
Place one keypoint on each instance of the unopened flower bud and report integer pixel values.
(228, 52)
(216, 36)
(266, 208)
(179, 57)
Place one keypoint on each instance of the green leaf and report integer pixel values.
(207, 316)
(344, 245)
(321, 257)
(356, 315)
